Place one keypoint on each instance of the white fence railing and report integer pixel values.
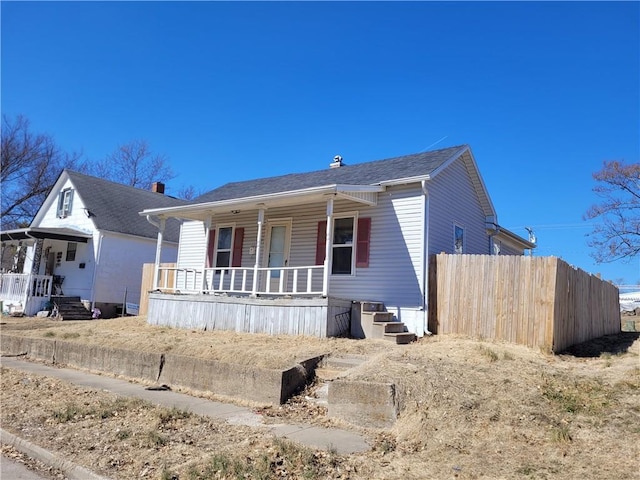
(25, 291)
(305, 280)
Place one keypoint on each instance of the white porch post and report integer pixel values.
(254, 289)
(327, 248)
(156, 268)
(207, 231)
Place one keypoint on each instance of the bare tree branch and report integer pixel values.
(29, 166)
(134, 164)
(617, 236)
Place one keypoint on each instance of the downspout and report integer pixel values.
(425, 258)
(95, 271)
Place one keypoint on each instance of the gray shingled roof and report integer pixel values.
(116, 206)
(370, 173)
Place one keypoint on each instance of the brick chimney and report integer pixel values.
(157, 187)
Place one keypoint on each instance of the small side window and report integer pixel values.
(458, 239)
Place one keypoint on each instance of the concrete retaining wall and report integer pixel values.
(239, 381)
(366, 404)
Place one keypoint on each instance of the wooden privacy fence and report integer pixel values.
(147, 283)
(535, 301)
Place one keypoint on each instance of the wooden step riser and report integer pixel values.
(378, 316)
(400, 338)
(390, 327)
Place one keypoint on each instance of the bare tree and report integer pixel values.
(188, 192)
(617, 235)
(134, 164)
(30, 165)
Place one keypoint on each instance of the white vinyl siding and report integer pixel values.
(394, 273)
(120, 266)
(191, 253)
(395, 257)
(453, 201)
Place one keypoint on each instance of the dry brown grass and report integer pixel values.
(133, 333)
(471, 410)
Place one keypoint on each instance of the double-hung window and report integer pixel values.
(72, 247)
(225, 247)
(342, 245)
(64, 203)
(350, 244)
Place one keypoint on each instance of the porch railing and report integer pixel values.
(26, 290)
(304, 280)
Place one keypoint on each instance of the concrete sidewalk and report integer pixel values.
(340, 441)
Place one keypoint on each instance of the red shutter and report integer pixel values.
(211, 247)
(321, 242)
(238, 238)
(362, 248)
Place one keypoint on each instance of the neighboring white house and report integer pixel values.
(87, 241)
(292, 254)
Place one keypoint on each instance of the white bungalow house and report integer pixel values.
(303, 253)
(86, 244)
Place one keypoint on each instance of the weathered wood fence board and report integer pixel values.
(533, 301)
(147, 283)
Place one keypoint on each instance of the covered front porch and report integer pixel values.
(36, 273)
(264, 264)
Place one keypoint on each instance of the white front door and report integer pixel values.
(278, 242)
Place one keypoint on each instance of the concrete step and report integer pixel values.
(328, 374)
(343, 362)
(388, 327)
(377, 316)
(61, 299)
(372, 307)
(73, 311)
(400, 338)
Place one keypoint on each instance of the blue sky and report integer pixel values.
(543, 92)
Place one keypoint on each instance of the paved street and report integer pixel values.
(12, 470)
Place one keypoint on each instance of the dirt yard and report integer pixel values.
(472, 409)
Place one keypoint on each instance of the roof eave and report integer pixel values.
(292, 197)
(513, 237)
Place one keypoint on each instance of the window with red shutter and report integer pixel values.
(362, 250)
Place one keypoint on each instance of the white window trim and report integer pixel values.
(232, 226)
(354, 243)
(65, 207)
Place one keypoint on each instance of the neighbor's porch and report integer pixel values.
(25, 293)
(33, 251)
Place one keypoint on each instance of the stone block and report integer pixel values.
(362, 403)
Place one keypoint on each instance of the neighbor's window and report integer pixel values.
(71, 251)
(458, 239)
(342, 246)
(64, 203)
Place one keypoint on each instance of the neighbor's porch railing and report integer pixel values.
(25, 290)
(304, 280)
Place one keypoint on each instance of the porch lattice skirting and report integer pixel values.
(316, 317)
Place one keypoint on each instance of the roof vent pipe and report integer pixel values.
(337, 162)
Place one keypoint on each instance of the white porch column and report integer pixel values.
(254, 288)
(156, 268)
(207, 231)
(327, 248)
